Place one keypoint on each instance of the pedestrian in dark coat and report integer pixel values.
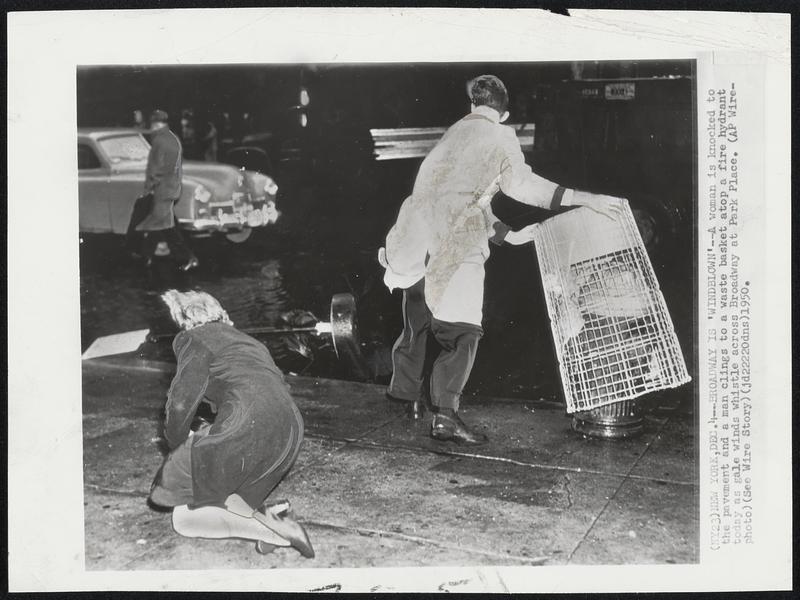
(163, 175)
(163, 179)
(218, 477)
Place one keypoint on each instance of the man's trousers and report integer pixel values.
(452, 367)
(179, 250)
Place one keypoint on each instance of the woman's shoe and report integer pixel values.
(280, 519)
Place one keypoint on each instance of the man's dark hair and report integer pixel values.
(488, 90)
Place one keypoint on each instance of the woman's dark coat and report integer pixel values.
(257, 424)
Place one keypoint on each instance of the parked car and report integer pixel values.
(251, 158)
(216, 199)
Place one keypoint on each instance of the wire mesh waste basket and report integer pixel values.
(613, 335)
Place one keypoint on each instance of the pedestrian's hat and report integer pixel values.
(159, 116)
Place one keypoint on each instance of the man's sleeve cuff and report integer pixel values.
(561, 197)
(500, 232)
(394, 280)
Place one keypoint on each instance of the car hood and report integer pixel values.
(220, 179)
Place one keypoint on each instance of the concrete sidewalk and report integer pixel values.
(375, 491)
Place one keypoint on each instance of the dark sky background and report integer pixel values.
(606, 146)
(379, 95)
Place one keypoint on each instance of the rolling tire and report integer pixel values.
(344, 330)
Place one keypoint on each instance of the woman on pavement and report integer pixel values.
(218, 477)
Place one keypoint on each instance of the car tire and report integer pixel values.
(238, 237)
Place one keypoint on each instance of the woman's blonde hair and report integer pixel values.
(192, 309)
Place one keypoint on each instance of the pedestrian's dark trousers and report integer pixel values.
(178, 249)
(451, 370)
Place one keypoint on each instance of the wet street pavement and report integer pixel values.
(374, 490)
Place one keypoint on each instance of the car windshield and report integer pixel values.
(125, 148)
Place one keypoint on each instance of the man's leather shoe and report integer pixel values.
(413, 409)
(452, 429)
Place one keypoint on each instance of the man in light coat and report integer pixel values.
(437, 249)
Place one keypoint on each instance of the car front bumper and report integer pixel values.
(225, 222)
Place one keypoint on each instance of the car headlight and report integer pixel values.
(201, 194)
(270, 187)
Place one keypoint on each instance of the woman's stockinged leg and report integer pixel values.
(219, 523)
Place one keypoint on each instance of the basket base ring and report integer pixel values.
(615, 421)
